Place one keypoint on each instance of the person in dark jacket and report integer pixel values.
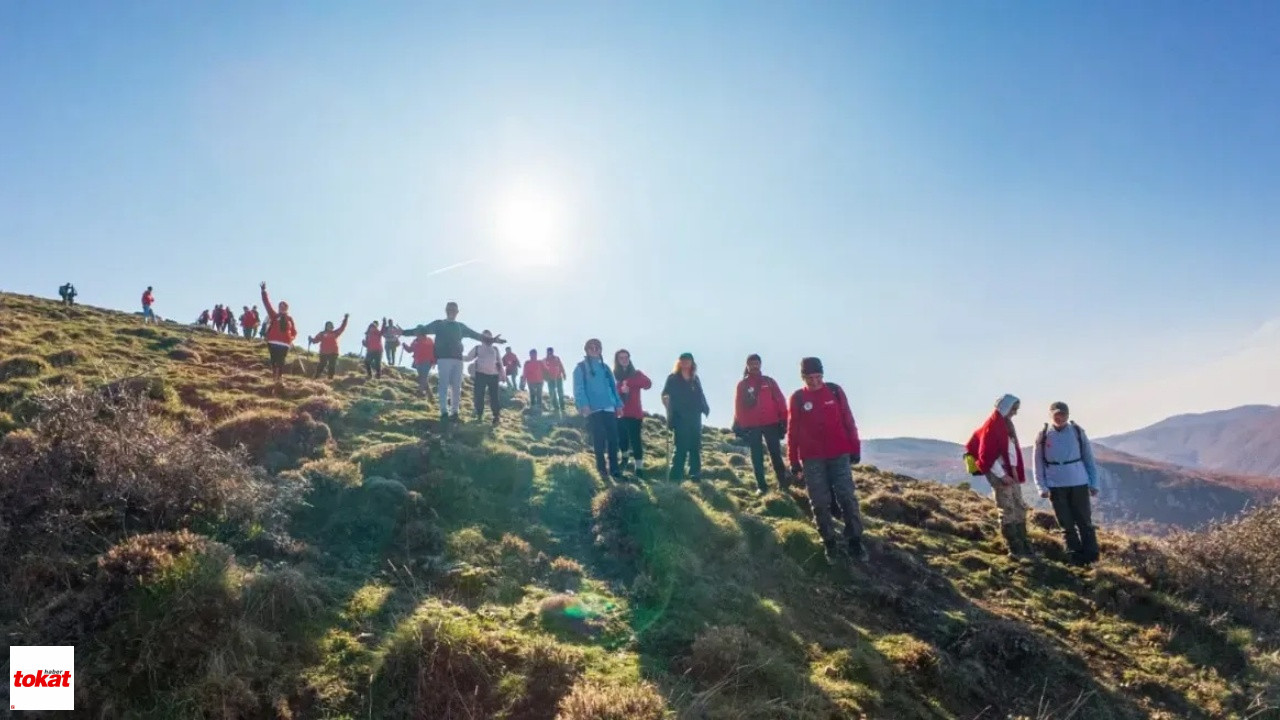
(823, 444)
(631, 420)
(760, 418)
(686, 403)
(595, 394)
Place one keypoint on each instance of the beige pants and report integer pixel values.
(1013, 509)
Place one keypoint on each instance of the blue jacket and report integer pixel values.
(594, 387)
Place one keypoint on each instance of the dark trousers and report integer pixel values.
(555, 388)
(757, 438)
(249, 333)
(688, 440)
(424, 377)
(825, 479)
(391, 352)
(631, 439)
(511, 379)
(485, 383)
(373, 363)
(328, 363)
(1074, 511)
(535, 395)
(604, 440)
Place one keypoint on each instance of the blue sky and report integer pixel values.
(945, 201)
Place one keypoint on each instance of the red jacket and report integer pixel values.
(275, 332)
(632, 408)
(328, 339)
(147, 299)
(990, 444)
(247, 320)
(373, 339)
(218, 316)
(759, 403)
(511, 363)
(821, 426)
(534, 371)
(554, 368)
(423, 349)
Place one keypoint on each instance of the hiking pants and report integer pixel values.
(373, 363)
(512, 379)
(327, 363)
(631, 438)
(249, 333)
(449, 384)
(424, 372)
(604, 439)
(826, 479)
(688, 441)
(556, 390)
(757, 438)
(1013, 509)
(1074, 511)
(391, 354)
(535, 395)
(485, 383)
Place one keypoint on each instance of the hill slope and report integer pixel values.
(347, 557)
(1244, 441)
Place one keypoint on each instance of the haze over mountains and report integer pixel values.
(1243, 440)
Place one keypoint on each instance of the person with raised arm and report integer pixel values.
(449, 334)
(328, 339)
(281, 333)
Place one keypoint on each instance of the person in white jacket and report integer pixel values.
(488, 364)
(1067, 475)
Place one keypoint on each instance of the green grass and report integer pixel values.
(479, 572)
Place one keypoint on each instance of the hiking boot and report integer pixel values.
(857, 550)
(834, 554)
(1010, 539)
(1089, 545)
(1024, 542)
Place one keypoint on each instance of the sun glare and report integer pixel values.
(529, 220)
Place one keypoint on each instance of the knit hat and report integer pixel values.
(753, 356)
(811, 366)
(686, 356)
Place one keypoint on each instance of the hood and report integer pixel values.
(1005, 404)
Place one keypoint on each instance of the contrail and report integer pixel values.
(454, 266)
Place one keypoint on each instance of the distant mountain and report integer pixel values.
(1243, 440)
(1134, 490)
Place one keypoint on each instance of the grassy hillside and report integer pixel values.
(215, 549)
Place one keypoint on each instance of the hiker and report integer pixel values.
(249, 322)
(631, 420)
(449, 334)
(218, 321)
(760, 418)
(391, 339)
(68, 294)
(511, 368)
(534, 375)
(1066, 474)
(328, 339)
(257, 322)
(424, 356)
(823, 447)
(373, 351)
(686, 403)
(993, 452)
(280, 334)
(231, 322)
(148, 299)
(553, 374)
(595, 393)
(203, 320)
(488, 373)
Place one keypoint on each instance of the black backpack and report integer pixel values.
(1040, 442)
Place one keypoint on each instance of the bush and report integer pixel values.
(63, 358)
(908, 509)
(274, 439)
(594, 701)
(621, 515)
(403, 460)
(566, 574)
(22, 366)
(731, 657)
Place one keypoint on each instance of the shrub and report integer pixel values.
(63, 358)
(566, 574)
(322, 407)
(731, 657)
(274, 439)
(594, 701)
(403, 460)
(182, 354)
(800, 542)
(621, 516)
(331, 474)
(22, 366)
(908, 509)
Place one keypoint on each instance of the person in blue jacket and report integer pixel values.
(595, 393)
(1067, 475)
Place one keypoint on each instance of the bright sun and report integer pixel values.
(529, 220)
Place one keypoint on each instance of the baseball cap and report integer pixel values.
(1059, 407)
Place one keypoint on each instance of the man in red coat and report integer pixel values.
(823, 444)
(994, 453)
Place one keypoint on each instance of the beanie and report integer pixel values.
(753, 356)
(811, 366)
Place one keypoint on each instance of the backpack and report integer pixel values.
(1040, 443)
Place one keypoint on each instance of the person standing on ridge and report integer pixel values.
(257, 322)
(686, 403)
(68, 294)
(631, 420)
(760, 418)
(511, 368)
(488, 375)
(993, 452)
(449, 334)
(203, 320)
(148, 299)
(373, 351)
(534, 375)
(280, 334)
(231, 322)
(595, 393)
(424, 356)
(823, 446)
(218, 322)
(1066, 474)
(390, 339)
(554, 375)
(328, 339)
(249, 323)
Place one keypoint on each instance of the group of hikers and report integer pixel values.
(223, 320)
(817, 422)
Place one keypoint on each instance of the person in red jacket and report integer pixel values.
(823, 444)
(249, 323)
(760, 418)
(631, 418)
(511, 368)
(554, 375)
(424, 356)
(219, 322)
(373, 350)
(147, 301)
(328, 339)
(281, 333)
(993, 452)
(534, 375)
